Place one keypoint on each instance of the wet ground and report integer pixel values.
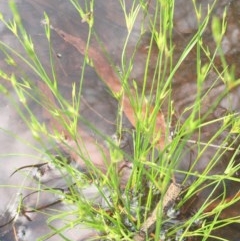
(20, 148)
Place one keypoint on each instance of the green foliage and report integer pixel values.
(125, 211)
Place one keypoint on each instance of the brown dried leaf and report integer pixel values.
(107, 74)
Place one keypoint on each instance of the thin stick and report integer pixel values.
(171, 195)
(211, 145)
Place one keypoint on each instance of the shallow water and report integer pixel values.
(98, 106)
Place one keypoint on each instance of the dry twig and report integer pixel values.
(170, 196)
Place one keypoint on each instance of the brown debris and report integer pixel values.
(170, 196)
(107, 74)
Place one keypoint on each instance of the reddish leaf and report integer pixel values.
(107, 74)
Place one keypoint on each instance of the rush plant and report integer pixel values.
(174, 184)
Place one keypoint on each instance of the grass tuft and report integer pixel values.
(175, 182)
